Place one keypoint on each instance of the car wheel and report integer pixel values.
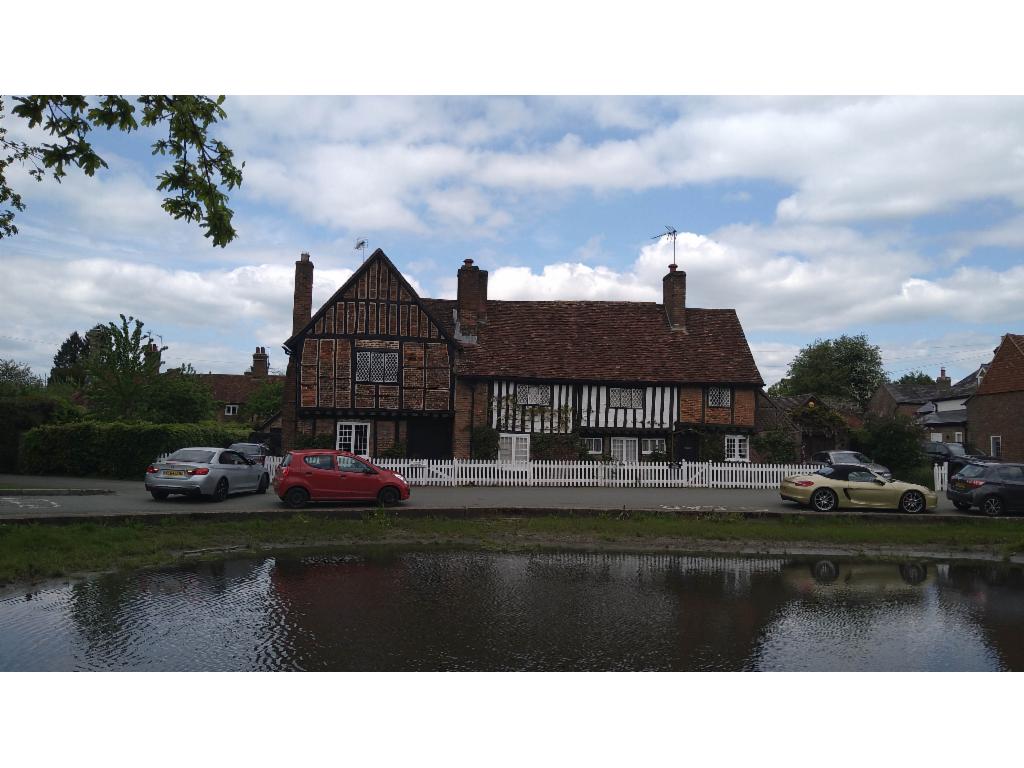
(992, 506)
(963, 506)
(264, 484)
(296, 498)
(159, 495)
(221, 491)
(913, 573)
(388, 496)
(912, 502)
(824, 500)
(825, 571)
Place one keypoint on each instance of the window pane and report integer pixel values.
(505, 448)
(522, 446)
(391, 367)
(362, 366)
(719, 397)
(377, 366)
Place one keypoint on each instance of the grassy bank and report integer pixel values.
(41, 551)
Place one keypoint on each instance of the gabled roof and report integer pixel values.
(1006, 371)
(974, 376)
(603, 341)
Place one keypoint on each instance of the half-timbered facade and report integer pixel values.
(380, 368)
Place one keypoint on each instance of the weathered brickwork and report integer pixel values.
(470, 412)
(998, 414)
(690, 410)
(743, 410)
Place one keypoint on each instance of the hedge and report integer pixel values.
(20, 413)
(113, 449)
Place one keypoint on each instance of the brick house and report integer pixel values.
(995, 412)
(940, 408)
(378, 366)
(821, 423)
(232, 390)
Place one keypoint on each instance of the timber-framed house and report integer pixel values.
(378, 368)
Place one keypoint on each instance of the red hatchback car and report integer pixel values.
(325, 475)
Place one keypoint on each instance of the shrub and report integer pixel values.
(485, 442)
(776, 446)
(303, 442)
(113, 449)
(557, 447)
(894, 442)
(22, 413)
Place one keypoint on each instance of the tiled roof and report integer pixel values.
(1006, 371)
(924, 393)
(603, 340)
(958, 416)
(848, 409)
(234, 387)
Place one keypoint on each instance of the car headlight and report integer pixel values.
(401, 478)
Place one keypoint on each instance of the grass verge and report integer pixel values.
(41, 551)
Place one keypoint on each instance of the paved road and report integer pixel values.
(131, 498)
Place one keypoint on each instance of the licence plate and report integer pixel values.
(175, 473)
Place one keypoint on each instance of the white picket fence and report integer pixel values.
(940, 472)
(452, 472)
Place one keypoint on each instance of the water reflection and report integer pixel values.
(394, 610)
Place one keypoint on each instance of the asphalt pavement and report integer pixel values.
(127, 498)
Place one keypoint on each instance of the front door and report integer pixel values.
(429, 438)
(354, 437)
(687, 447)
(624, 449)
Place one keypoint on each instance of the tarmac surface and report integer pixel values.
(56, 499)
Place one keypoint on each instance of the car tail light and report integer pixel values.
(199, 471)
(804, 483)
(973, 483)
(151, 470)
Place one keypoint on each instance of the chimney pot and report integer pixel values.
(468, 262)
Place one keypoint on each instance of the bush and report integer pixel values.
(568, 447)
(894, 442)
(22, 413)
(485, 442)
(777, 446)
(113, 449)
(303, 441)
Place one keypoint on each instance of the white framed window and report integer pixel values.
(231, 409)
(737, 448)
(379, 367)
(354, 437)
(595, 445)
(534, 394)
(513, 449)
(624, 449)
(958, 437)
(719, 397)
(995, 446)
(652, 445)
(622, 397)
(936, 437)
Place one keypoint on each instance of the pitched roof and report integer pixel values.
(918, 394)
(235, 387)
(848, 409)
(603, 341)
(1006, 371)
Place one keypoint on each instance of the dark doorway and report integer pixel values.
(687, 446)
(429, 438)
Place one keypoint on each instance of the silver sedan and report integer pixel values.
(213, 472)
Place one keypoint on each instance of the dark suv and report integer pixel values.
(256, 452)
(995, 489)
(952, 454)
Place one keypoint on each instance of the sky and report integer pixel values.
(901, 218)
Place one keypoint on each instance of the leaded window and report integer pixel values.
(380, 367)
(534, 394)
(719, 397)
(621, 397)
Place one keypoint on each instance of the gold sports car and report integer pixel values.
(851, 486)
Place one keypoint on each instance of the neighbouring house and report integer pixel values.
(940, 408)
(232, 390)
(822, 423)
(379, 368)
(995, 412)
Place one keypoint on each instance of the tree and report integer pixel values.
(848, 367)
(915, 377)
(69, 362)
(265, 401)
(201, 165)
(178, 396)
(122, 365)
(17, 378)
(894, 442)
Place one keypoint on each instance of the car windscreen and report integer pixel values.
(192, 456)
(972, 470)
(847, 457)
(825, 471)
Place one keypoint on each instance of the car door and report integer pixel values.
(865, 490)
(1012, 478)
(358, 480)
(244, 476)
(320, 476)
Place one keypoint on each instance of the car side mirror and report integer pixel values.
(879, 482)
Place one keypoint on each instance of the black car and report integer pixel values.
(953, 454)
(995, 489)
(256, 452)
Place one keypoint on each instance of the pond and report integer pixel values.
(453, 610)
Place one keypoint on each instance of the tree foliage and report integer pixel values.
(202, 168)
(69, 362)
(848, 367)
(915, 377)
(178, 397)
(17, 378)
(776, 445)
(894, 441)
(122, 366)
(267, 400)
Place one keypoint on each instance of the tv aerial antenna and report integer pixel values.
(361, 246)
(669, 232)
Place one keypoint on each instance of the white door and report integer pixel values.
(354, 437)
(624, 449)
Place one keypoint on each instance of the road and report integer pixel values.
(131, 498)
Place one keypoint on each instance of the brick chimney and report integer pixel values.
(943, 381)
(260, 362)
(673, 287)
(151, 353)
(302, 307)
(472, 301)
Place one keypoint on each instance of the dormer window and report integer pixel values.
(719, 397)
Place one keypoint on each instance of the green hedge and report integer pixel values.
(21, 413)
(113, 449)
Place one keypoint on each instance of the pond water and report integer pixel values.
(488, 611)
